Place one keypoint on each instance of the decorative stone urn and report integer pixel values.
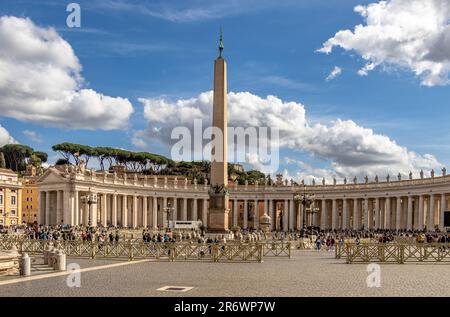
(264, 222)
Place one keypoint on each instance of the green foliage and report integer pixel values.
(2, 160)
(18, 156)
(62, 161)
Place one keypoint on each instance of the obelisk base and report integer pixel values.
(218, 213)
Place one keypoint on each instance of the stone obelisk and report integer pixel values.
(218, 194)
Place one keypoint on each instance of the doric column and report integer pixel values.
(272, 215)
(398, 212)
(324, 215)
(184, 214)
(256, 214)
(299, 216)
(377, 213)
(442, 207)
(245, 223)
(124, 211)
(164, 212)
(155, 213)
(366, 214)
(114, 210)
(285, 216)
(345, 214)
(430, 224)
(410, 213)
(421, 215)
(235, 213)
(104, 211)
(416, 213)
(291, 214)
(59, 207)
(175, 209)
(388, 213)
(194, 210)
(76, 201)
(144, 211)
(47, 208)
(334, 214)
(356, 223)
(205, 212)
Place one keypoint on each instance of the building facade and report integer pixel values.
(148, 201)
(10, 198)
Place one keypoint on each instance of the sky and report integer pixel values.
(355, 88)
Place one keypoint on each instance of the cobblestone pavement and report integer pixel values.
(307, 273)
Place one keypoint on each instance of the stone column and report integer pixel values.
(164, 212)
(377, 213)
(124, 211)
(194, 210)
(324, 216)
(442, 207)
(155, 213)
(285, 216)
(388, 213)
(114, 211)
(291, 214)
(430, 224)
(272, 215)
(104, 211)
(345, 217)
(235, 213)
(175, 209)
(184, 213)
(245, 222)
(76, 202)
(409, 225)
(356, 224)
(366, 214)
(144, 211)
(205, 212)
(398, 212)
(256, 214)
(58, 207)
(334, 214)
(421, 215)
(299, 216)
(47, 208)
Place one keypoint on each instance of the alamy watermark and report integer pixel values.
(258, 146)
(74, 278)
(74, 18)
(374, 277)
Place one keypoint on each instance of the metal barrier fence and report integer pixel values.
(232, 251)
(397, 253)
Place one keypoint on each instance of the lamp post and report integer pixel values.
(307, 200)
(168, 210)
(90, 199)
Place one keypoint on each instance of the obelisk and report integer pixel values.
(218, 194)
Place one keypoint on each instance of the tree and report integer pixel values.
(42, 156)
(62, 161)
(16, 156)
(2, 160)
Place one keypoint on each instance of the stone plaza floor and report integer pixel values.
(307, 273)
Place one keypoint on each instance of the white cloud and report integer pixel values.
(349, 148)
(5, 137)
(41, 82)
(334, 73)
(33, 136)
(408, 34)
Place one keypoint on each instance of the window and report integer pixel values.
(1, 199)
(31, 198)
(13, 200)
(1, 221)
(1, 212)
(23, 215)
(13, 212)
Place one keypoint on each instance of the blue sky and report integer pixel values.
(165, 50)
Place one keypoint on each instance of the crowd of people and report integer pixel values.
(318, 239)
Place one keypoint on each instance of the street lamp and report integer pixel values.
(307, 200)
(90, 199)
(168, 210)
